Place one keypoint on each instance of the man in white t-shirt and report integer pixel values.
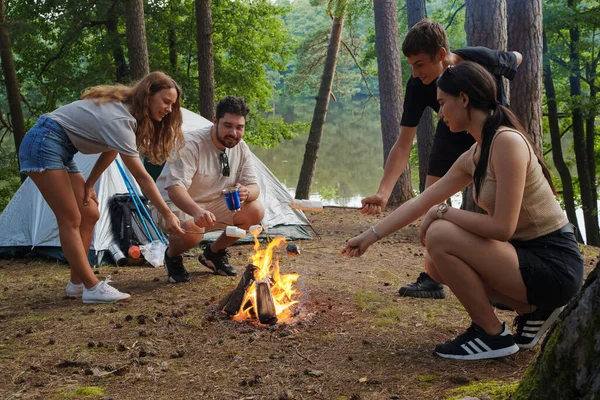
(213, 159)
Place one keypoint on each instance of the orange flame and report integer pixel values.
(281, 288)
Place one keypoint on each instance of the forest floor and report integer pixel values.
(352, 338)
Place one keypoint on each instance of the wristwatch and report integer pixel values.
(442, 209)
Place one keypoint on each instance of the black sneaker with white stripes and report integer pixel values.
(476, 344)
(531, 327)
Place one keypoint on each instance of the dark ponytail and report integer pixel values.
(477, 83)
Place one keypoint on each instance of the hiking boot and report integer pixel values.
(424, 287)
(217, 262)
(176, 272)
(476, 344)
(531, 327)
(74, 290)
(500, 306)
(104, 293)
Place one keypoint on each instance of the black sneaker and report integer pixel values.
(176, 272)
(531, 327)
(217, 262)
(424, 287)
(475, 344)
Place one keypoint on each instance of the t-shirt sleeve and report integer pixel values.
(182, 169)
(414, 103)
(507, 64)
(499, 63)
(119, 134)
(247, 170)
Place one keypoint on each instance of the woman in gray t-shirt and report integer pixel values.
(142, 119)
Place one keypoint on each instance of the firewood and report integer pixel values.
(236, 297)
(265, 304)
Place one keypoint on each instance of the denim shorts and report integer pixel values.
(551, 267)
(46, 146)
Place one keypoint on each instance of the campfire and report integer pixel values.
(263, 293)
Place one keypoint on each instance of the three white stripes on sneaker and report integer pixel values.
(472, 345)
(531, 328)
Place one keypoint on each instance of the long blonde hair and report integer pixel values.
(157, 141)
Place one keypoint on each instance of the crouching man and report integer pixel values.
(213, 159)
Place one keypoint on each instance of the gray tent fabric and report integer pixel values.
(29, 227)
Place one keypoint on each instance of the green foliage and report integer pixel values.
(61, 48)
(558, 19)
(268, 132)
(10, 179)
(312, 25)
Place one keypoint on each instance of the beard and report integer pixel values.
(229, 141)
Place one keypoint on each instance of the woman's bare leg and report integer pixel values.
(517, 305)
(89, 217)
(55, 186)
(468, 263)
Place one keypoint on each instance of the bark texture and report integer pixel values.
(416, 11)
(206, 60)
(525, 36)
(568, 366)
(136, 39)
(11, 81)
(387, 48)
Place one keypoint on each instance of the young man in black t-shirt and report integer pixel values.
(427, 51)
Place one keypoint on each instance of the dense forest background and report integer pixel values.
(272, 51)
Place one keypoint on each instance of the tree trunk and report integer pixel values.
(206, 62)
(11, 82)
(387, 48)
(588, 204)
(568, 365)
(112, 23)
(136, 39)
(525, 36)
(590, 136)
(485, 23)
(309, 163)
(557, 154)
(416, 11)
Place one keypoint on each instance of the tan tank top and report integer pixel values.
(540, 212)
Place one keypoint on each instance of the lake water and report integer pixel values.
(350, 162)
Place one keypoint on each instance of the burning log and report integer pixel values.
(265, 305)
(232, 303)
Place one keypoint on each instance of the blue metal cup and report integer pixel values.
(232, 198)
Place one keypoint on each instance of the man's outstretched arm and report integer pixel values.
(395, 165)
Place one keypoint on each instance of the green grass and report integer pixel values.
(495, 390)
(82, 392)
(368, 300)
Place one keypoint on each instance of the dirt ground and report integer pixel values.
(353, 338)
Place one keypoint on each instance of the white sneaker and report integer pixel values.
(104, 293)
(74, 290)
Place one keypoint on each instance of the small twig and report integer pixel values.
(454, 15)
(303, 356)
(362, 72)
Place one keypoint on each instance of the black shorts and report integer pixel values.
(551, 267)
(447, 147)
